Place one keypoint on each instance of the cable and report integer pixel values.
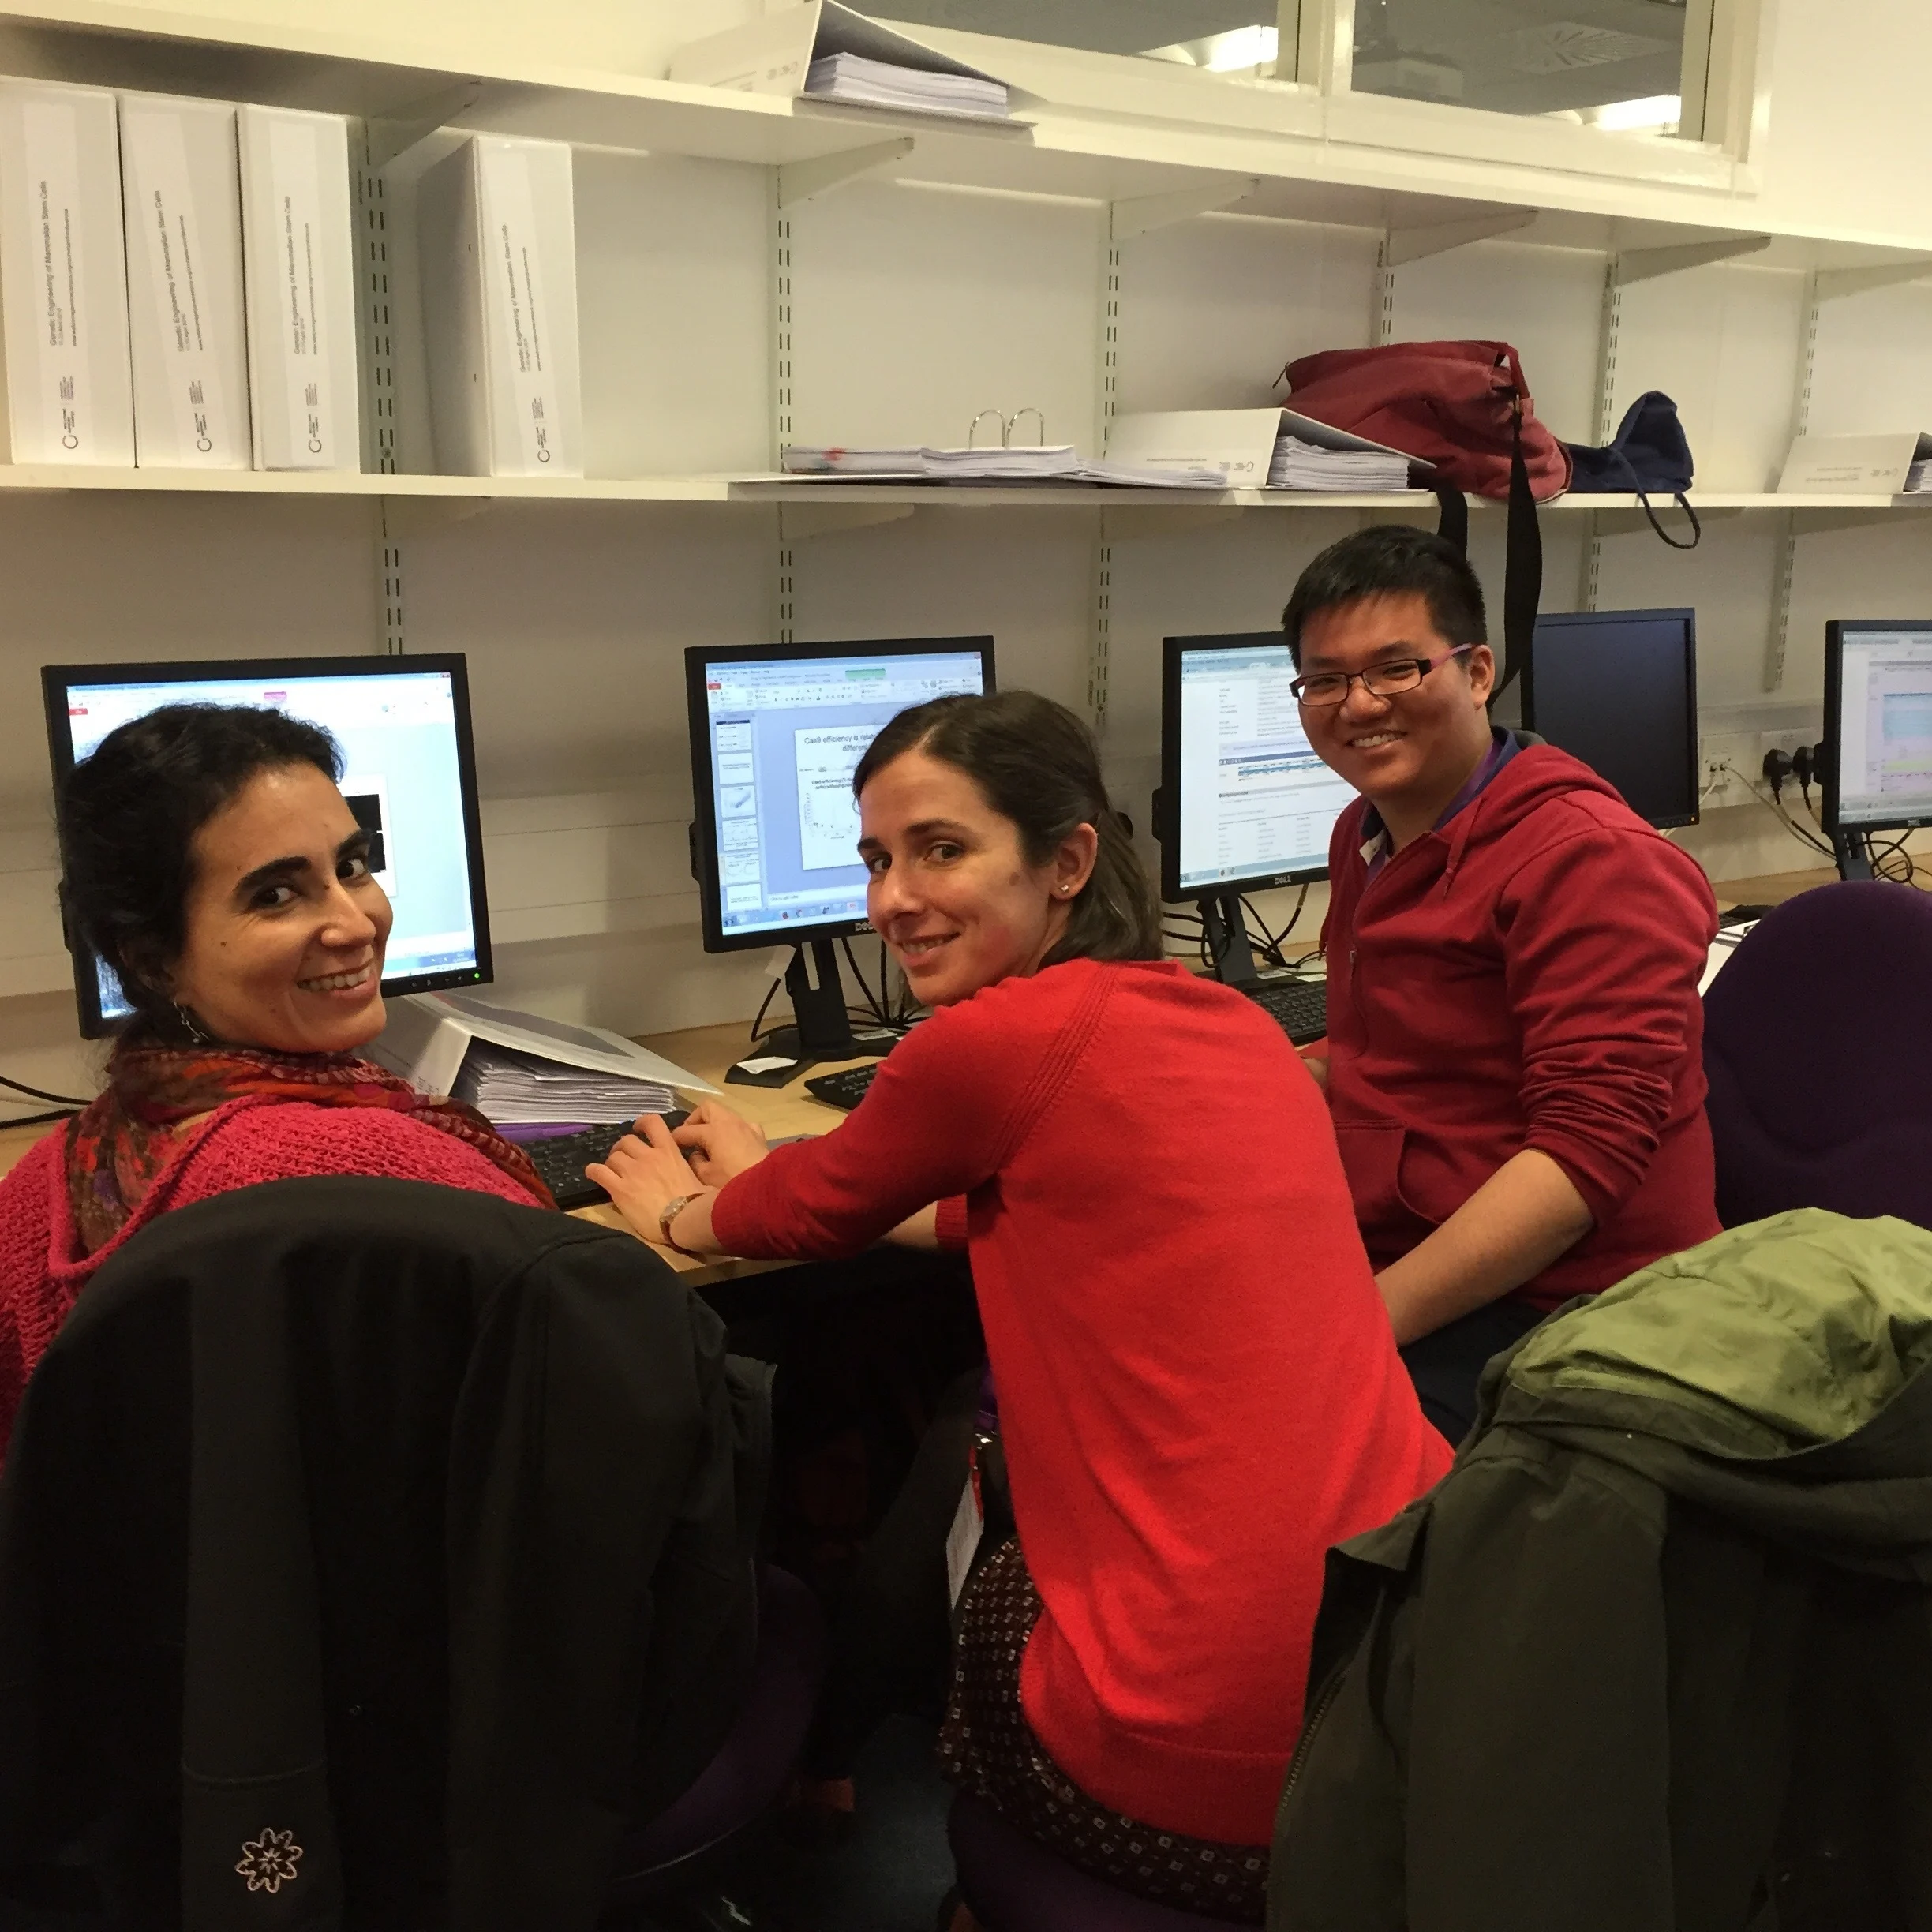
(770, 991)
(39, 1093)
(875, 1007)
(1777, 811)
(40, 1120)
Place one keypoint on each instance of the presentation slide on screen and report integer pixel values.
(401, 781)
(1886, 726)
(786, 735)
(1255, 798)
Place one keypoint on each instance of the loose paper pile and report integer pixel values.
(1297, 465)
(1030, 464)
(1919, 478)
(881, 84)
(509, 1088)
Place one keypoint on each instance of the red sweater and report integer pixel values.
(1524, 976)
(42, 1269)
(1199, 1387)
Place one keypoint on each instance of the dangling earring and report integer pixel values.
(198, 1035)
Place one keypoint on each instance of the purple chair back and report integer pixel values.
(1818, 1044)
(1014, 1884)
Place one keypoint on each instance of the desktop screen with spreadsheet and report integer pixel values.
(1878, 725)
(776, 734)
(1251, 803)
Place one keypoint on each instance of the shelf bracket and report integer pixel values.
(1425, 238)
(801, 180)
(1421, 239)
(798, 521)
(395, 133)
(1139, 214)
(1645, 264)
(1829, 284)
(1821, 286)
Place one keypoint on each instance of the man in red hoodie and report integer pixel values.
(1513, 1062)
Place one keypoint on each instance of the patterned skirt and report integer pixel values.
(987, 1747)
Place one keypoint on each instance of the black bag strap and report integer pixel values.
(1523, 571)
(1452, 525)
(1677, 496)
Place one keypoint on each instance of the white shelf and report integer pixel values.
(770, 490)
(1308, 172)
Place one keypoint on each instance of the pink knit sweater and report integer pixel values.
(43, 1270)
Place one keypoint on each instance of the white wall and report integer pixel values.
(914, 307)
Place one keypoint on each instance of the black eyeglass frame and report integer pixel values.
(1422, 666)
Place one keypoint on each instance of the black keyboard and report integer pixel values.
(1299, 1007)
(843, 1089)
(560, 1161)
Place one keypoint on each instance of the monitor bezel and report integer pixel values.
(1836, 630)
(57, 680)
(705, 847)
(1587, 620)
(1167, 821)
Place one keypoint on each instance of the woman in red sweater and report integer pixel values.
(210, 860)
(1199, 1388)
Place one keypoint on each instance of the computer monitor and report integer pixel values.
(776, 731)
(409, 778)
(1618, 690)
(1245, 803)
(1878, 763)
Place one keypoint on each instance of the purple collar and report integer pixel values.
(1503, 748)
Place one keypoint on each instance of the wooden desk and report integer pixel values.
(783, 1112)
(706, 1051)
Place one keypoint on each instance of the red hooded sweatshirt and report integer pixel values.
(1525, 976)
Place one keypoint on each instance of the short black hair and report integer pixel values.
(128, 816)
(1037, 764)
(1391, 560)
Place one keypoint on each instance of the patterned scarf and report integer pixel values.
(121, 1145)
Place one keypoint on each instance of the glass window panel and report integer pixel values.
(1228, 35)
(1615, 64)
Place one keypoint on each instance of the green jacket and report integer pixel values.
(1656, 1656)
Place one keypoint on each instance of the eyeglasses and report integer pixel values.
(1382, 680)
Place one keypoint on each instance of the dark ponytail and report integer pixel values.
(1037, 765)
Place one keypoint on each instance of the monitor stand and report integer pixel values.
(1852, 850)
(1225, 925)
(820, 1029)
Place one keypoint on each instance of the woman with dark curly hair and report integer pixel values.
(209, 859)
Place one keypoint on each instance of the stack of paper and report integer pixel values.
(1030, 464)
(1297, 465)
(1919, 478)
(881, 84)
(509, 1088)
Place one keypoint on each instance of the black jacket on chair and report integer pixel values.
(370, 1553)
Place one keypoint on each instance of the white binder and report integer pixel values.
(63, 278)
(495, 225)
(298, 243)
(182, 200)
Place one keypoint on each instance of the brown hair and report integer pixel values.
(1037, 765)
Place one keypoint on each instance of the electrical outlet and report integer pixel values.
(1727, 763)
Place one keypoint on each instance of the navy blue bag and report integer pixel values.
(1648, 453)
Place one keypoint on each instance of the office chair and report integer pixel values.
(1818, 1046)
(1014, 1884)
(405, 1527)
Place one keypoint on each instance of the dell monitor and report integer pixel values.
(1618, 690)
(1878, 762)
(776, 731)
(408, 777)
(1245, 803)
